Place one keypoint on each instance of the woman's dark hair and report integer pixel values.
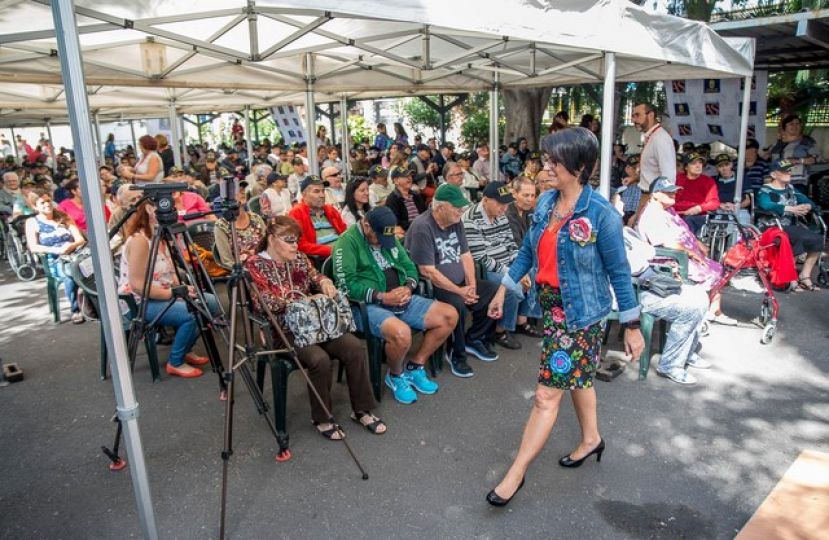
(148, 142)
(57, 215)
(789, 119)
(72, 185)
(278, 225)
(586, 120)
(350, 202)
(575, 148)
(399, 131)
(111, 137)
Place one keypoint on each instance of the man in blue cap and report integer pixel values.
(372, 266)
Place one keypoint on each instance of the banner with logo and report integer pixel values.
(289, 123)
(709, 110)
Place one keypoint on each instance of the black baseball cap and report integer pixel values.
(377, 170)
(423, 148)
(752, 143)
(383, 222)
(312, 180)
(297, 161)
(499, 191)
(273, 177)
(781, 165)
(693, 156)
(632, 161)
(722, 158)
(400, 172)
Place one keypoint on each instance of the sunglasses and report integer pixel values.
(334, 175)
(289, 239)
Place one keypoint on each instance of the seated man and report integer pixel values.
(520, 212)
(321, 223)
(780, 198)
(403, 201)
(685, 311)
(437, 244)
(727, 189)
(380, 187)
(698, 195)
(493, 246)
(371, 265)
(628, 195)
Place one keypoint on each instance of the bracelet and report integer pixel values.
(631, 325)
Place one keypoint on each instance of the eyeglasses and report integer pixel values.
(460, 173)
(334, 175)
(289, 239)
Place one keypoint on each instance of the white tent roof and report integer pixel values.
(216, 55)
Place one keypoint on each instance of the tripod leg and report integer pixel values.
(117, 462)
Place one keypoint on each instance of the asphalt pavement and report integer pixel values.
(681, 462)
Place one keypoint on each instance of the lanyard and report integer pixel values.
(649, 137)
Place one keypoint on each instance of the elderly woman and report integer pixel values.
(250, 229)
(796, 147)
(150, 168)
(258, 179)
(576, 252)
(54, 234)
(283, 274)
(134, 260)
(660, 225)
(276, 200)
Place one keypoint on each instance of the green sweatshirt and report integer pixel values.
(356, 271)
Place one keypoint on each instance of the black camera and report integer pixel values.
(161, 195)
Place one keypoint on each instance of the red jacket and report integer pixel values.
(700, 191)
(301, 213)
(779, 258)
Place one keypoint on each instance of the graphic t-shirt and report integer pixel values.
(430, 245)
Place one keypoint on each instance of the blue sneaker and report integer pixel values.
(401, 387)
(481, 351)
(420, 381)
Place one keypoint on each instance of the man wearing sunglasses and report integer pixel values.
(335, 191)
(320, 222)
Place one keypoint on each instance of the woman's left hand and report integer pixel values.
(634, 343)
(328, 288)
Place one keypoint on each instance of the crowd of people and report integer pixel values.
(534, 251)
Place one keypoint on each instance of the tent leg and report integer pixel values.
(346, 140)
(99, 153)
(132, 132)
(182, 127)
(14, 144)
(608, 93)
(493, 127)
(741, 151)
(66, 34)
(442, 113)
(310, 113)
(51, 144)
(248, 141)
(174, 134)
(332, 124)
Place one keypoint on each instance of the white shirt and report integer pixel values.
(658, 157)
(280, 202)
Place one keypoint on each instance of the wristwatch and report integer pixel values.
(631, 325)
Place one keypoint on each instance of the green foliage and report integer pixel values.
(358, 129)
(796, 92)
(475, 120)
(420, 115)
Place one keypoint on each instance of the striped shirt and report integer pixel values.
(754, 175)
(490, 242)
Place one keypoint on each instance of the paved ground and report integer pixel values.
(680, 462)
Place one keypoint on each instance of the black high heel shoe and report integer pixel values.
(566, 461)
(496, 500)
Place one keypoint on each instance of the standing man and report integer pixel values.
(658, 157)
(437, 244)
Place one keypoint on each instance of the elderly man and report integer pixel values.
(371, 265)
(492, 246)
(425, 170)
(335, 190)
(520, 211)
(481, 165)
(380, 187)
(403, 201)
(321, 223)
(258, 179)
(10, 192)
(437, 244)
(698, 195)
(658, 157)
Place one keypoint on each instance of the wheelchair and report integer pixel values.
(813, 221)
(22, 262)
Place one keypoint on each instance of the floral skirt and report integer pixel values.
(569, 358)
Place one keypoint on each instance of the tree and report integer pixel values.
(421, 115)
(524, 108)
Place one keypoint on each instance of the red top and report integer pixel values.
(192, 203)
(70, 207)
(301, 213)
(701, 191)
(548, 256)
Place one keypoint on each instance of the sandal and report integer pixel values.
(528, 330)
(805, 284)
(370, 422)
(332, 433)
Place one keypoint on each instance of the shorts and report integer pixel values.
(414, 315)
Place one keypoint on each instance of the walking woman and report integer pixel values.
(576, 252)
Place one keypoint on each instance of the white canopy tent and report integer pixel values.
(146, 57)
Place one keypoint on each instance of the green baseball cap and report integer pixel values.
(452, 194)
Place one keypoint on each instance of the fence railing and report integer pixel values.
(769, 10)
(818, 115)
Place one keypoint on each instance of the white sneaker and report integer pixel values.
(697, 362)
(680, 376)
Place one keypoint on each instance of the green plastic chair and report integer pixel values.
(255, 206)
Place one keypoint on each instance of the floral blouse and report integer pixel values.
(164, 272)
(249, 237)
(282, 283)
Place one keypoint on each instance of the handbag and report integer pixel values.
(660, 285)
(318, 319)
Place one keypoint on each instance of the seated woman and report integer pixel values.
(73, 206)
(356, 201)
(780, 198)
(699, 193)
(659, 225)
(280, 271)
(24, 203)
(134, 260)
(276, 200)
(53, 233)
(250, 229)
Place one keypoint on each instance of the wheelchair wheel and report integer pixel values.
(26, 272)
(765, 312)
(768, 333)
(823, 279)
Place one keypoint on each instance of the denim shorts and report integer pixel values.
(414, 315)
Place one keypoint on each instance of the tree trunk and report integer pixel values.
(524, 109)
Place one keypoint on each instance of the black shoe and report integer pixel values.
(573, 463)
(505, 340)
(496, 500)
(459, 367)
(528, 330)
(480, 350)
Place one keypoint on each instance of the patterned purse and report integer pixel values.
(319, 319)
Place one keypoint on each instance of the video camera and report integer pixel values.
(161, 195)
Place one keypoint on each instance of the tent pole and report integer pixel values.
(174, 134)
(310, 112)
(98, 150)
(256, 120)
(14, 144)
(248, 140)
(346, 140)
(442, 114)
(741, 151)
(183, 129)
(132, 132)
(66, 34)
(332, 123)
(608, 93)
(51, 144)
(493, 127)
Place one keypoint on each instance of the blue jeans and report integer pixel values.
(57, 270)
(514, 305)
(414, 315)
(185, 323)
(686, 313)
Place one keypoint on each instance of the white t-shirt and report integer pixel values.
(658, 157)
(280, 203)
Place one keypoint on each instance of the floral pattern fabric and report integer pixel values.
(569, 358)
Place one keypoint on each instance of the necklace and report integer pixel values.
(560, 216)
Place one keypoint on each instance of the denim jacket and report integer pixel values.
(585, 272)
